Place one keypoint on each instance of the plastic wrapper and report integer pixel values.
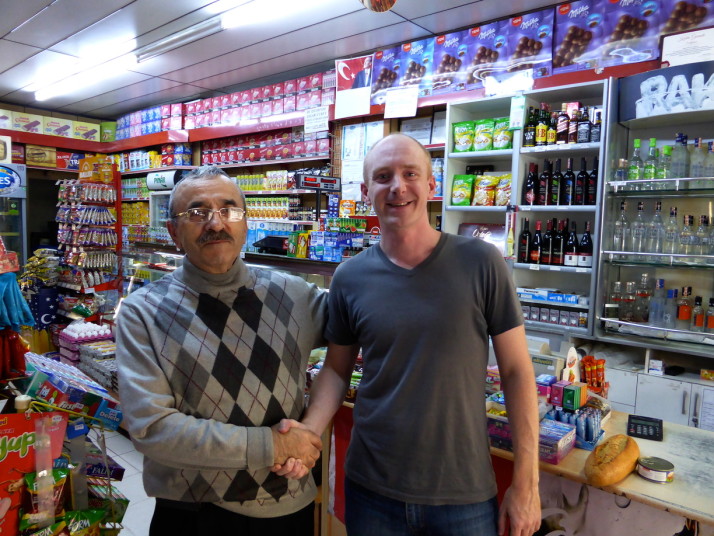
(484, 191)
(461, 190)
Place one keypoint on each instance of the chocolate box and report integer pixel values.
(681, 15)
(631, 32)
(416, 65)
(387, 64)
(530, 42)
(486, 53)
(56, 126)
(25, 122)
(579, 34)
(449, 62)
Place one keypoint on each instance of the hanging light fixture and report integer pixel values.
(380, 6)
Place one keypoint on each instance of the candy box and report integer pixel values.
(682, 15)
(56, 126)
(486, 52)
(416, 65)
(530, 38)
(387, 64)
(579, 35)
(631, 32)
(555, 439)
(450, 51)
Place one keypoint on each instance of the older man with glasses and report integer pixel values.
(211, 358)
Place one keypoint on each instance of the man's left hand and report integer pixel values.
(521, 509)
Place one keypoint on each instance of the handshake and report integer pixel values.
(296, 448)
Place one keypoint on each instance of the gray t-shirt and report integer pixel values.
(419, 422)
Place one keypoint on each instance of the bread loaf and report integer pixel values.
(612, 460)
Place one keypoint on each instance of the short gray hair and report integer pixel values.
(202, 173)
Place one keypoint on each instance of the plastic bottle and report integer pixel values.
(651, 163)
(657, 302)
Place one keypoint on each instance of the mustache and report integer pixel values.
(210, 236)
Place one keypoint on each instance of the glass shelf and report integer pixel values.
(669, 260)
(554, 328)
(557, 208)
(670, 188)
(545, 303)
(551, 268)
(562, 148)
(643, 330)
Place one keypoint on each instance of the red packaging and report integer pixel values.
(283, 151)
(251, 155)
(302, 101)
(239, 142)
(282, 137)
(290, 87)
(245, 96)
(314, 99)
(167, 160)
(316, 81)
(255, 94)
(255, 110)
(266, 109)
(277, 91)
(303, 84)
(245, 113)
(328, 96)
(323, 146)
(289, 103)
(176, 109)
(241, 155)
(167, 148)
(230, 116)
(216, 103)
(277, 106)
(266, 153)
(310, 148)
(189, 122)
(298, 149)
(223, 144)
(165, 110)
(226, 101)
(234, 98)
(215, 118)
(231, 156)
(267, 92)
(205, 159)
(252, 140)
(190, 107)
(18, 153)
(208, 105)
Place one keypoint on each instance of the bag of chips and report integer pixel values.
(484, 191)
(503, 190)
(461, 190)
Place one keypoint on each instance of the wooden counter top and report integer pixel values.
(691, 450)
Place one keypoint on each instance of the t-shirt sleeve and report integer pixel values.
(340, 328)
(503, 310)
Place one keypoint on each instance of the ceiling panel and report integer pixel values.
(26, 71)
(14, 13)
(12, 53)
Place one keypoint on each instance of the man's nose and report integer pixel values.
(215, 221)
(398, 183)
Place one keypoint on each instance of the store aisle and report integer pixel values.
(141, 508)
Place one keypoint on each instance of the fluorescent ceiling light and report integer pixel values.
(87, 78)
(179, 39)
(259, 11)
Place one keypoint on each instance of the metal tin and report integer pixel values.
(655, 469)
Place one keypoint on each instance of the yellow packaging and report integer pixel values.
(707, 374)
(303, 239)
(56, 126)
(86, 131)
(347, 208)
(484, 194)
(25, 122)
(37, 155)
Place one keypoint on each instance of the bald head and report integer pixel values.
(369, 164)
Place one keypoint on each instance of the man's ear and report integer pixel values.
(174, 235)
(365, 193)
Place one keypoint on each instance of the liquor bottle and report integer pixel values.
(573, 127)
(529, 129)
(561, 136)
(686, 236)
(581, 183)
(710, 317)
(649, 171)
(698, 315)
(543, 184)
(591, 188)
(552, 132)
(510, 241)
(670, 244)
(669, 317)
(596, 129)
(534, 252)
(684, 309)
(570, 253)
(541, 127)
(637, 231)
(621, 230)
(627, 305)
(664, 169)
(568, 196)
(635, 171)
(696, 164)
(584, 126)
(643, 294)
(546, 250)
(556, 257)
(530, 186)
(524, 243)
(556, 186)
(655, 233)
(615, 297)
(680, 158)
(702, 236)
(585, 249)
(656, 313)
(709, 165)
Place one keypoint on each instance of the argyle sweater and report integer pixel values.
(207, 363)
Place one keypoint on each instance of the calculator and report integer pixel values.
(644, 427)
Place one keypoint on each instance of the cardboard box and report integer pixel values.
(108, 130)
(86, 131)
(25, 122)
(56, 126)
(66, 160)
(37, 155)
(6, 119)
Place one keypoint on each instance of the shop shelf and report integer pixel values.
(550, 268)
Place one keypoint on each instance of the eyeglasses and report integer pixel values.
(202, 215)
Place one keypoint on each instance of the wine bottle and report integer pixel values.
(556, 186)
(530, 186)
(585, 248)
(546, 250)
(529, 129)
(536, 244)
(570, 251)
(544, 184)
(556, 256)
(568, 196)
(524, 242)
(581, 183)
(591, 189)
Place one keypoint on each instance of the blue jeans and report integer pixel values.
(370, 514)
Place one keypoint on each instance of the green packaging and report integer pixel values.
(502, 135)
(463, 136)
(461, 189)
(483, 135)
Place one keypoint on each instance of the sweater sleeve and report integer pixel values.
(158, 429)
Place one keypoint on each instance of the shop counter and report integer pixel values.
(569, 505)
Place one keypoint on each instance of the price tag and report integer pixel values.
(581, 270)
(518, 106)
(534, 267)
(555, 268)
(316, 119)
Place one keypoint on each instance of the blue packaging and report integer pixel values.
(632, 34)
(487, 52)
(417, 59)
(449, 75)
(579, 34)
(387, 64)
(530, 39)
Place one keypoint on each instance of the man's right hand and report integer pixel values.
(298, 442)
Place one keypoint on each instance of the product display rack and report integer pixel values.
(516, 161)
(677, 269)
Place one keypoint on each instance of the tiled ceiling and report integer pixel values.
(42, 37)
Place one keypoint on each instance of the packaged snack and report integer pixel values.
(463, 136)
(503, 190)
(502, 135)
(461, 190)
(483, 135)
(484, 191)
